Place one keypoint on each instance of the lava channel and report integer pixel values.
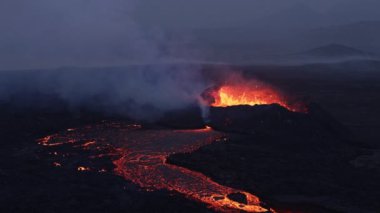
(143, 161)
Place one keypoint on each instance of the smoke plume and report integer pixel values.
(79, 33)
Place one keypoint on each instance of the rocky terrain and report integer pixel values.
(296, 162)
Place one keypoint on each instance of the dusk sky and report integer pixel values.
(52, 33)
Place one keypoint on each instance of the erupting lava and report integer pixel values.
(245, 93)
(143, 161)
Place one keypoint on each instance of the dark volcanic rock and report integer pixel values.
(276, 120)
(293, 161)
(248, 119)
(238, 197)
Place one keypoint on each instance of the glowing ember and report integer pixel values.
(143, 161)
(82, 169)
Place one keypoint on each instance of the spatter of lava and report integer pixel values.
(143, 155)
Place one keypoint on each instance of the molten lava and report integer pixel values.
(245, 93)
(142, 160)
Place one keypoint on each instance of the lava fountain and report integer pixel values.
(143, 153)
(250, 93)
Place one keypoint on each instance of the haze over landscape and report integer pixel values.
(48, 34)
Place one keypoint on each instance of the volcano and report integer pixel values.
(219, 158)
(140, 153)
(150, 156)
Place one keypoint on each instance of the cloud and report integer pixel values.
(52, 33)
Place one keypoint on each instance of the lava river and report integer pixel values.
(142, 160)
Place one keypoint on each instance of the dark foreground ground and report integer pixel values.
(325, 175)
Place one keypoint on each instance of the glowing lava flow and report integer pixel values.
(143, 161)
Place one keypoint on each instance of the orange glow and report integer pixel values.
(247, 94)
(140, 155)
(82, 169)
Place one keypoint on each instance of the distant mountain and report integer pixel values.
(336, 51)
(362, 35)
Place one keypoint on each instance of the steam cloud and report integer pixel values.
(80, 32)
(142, 92)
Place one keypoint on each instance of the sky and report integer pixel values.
(222, 13)
(54, 33)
